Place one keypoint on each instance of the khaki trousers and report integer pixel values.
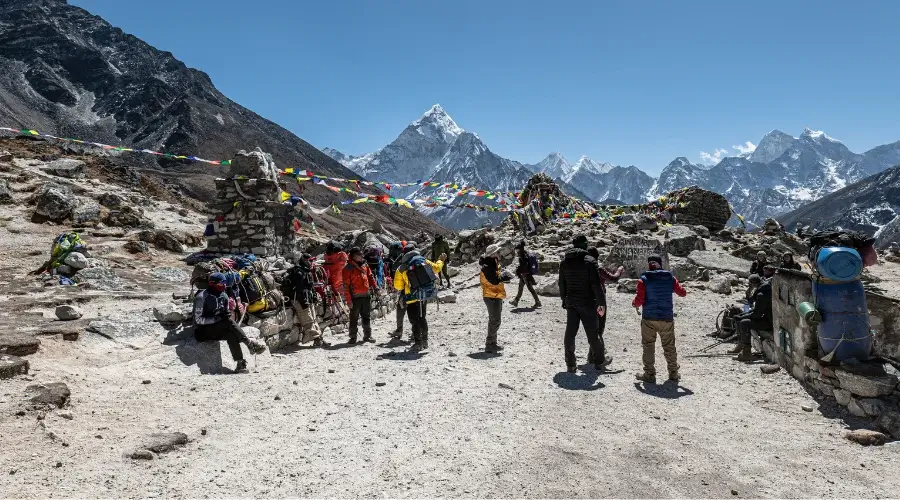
(309, 324)
(666, 331)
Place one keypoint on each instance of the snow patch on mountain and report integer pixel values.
(436, 122)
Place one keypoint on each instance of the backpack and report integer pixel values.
(63, 245)
(421, 280)
(533, 264)
(375, 260)
(253, 291)
(299, 285)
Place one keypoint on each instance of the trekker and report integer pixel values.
(359, 285)
(525, 271)
(788, 262)
(654, 293)
(761, 260)
(605, 277)
(299, 289)
(395, 253)
(494, 292)
(583, 298)
(213, 321)
(335, 261)
(768, 272)
(415, 296)
(758, 318)
(755, 281)
(438, 248)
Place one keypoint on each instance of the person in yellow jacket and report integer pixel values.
(416, 306)
(494, 292)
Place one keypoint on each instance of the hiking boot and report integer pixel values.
(424, 344)
(645, 378)
(256, 347)
(734, 350)
(416, 347)
(514, 303)
(319, 342)
(572, 369)
(397, 334)
(675, 376)
(746, 354)
(352, 341)
(493, 348)
(241, 366)
(607, 360)
(537, 305)
(368, 338)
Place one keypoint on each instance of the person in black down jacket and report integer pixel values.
(583, 297)
(758, 318)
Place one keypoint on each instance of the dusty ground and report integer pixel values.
(452, 422)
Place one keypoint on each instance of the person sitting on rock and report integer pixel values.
(755, 280)
(494, 292)
(788, 262)
(758, 318)
(213, 321)
(359, 286)
(654, 294)
(605, 277)
(583, 298)
(438, 248)
(761, 260)
(523, 271)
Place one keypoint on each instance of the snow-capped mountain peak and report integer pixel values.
(436, 121)
(771, 146)
(585, 164)
(555, 165)
(817, 135)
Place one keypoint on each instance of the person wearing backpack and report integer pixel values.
(395, 253)
(494, 292)
(438, 248)
(415, 279)
(359, 285)
(335, 261)
(299, 289)
(213, 321)
(375, 260)
(526, 269)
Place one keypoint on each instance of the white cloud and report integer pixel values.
(747, 147)
(713, 158)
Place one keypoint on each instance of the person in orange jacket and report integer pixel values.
(494, 292)
(359, 286)
(335, 261)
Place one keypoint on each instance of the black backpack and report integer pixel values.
(299, 285)
(849, 239)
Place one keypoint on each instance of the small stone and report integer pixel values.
(277, 397)
(66, 415)
(58, 465)
(807, 407)
(866, 437)
(202, 432)
(11, 366)
(141, 455)
(769, 369)
(54, 394)
(734, 492)
(380, 384)
(146, 382)
(505, 386)
(331, 370)
(66, 312)
(451, 354)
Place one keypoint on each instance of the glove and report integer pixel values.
(564, 305)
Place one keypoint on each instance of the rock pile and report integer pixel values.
(701, 208)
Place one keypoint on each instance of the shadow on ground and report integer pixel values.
(580, 381)
(667, 390)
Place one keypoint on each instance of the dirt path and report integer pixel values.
(451, 423)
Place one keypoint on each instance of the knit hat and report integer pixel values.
(754, 278)
(216, 278)
(655, 258)
(580, 241)
(761, 254)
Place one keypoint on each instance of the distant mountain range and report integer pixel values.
(782, 174)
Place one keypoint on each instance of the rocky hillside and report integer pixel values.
(66, 72)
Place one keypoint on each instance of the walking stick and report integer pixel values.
(729, 339)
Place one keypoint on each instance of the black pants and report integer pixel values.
(226, 330)
(601, 327)
(362, 306)
(523, 282)
(745, 325)
(575, 317)
(416, 313)
(495, 313)
(401, 312)
(444, 273)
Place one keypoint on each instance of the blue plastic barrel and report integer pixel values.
(839, 263)
(844, 315)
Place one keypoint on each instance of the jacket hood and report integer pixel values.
(408, 256)
(576, 254)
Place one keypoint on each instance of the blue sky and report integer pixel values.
(624, 82)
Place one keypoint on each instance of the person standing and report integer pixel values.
(583, 298)
(359, 284)
(299, 289)
(654, 294)
(438, 248)
(416, 308)
(395, 253)
(335, 261)
(605, 277)
(526, 278)
(493, 291)
(213, 321)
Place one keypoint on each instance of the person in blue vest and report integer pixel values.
(654, 294)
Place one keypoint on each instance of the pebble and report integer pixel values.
(734, 492)
(451, 354)
(505, 386)
(58, 465)
(277, 397)
(807, 407)
(202, 432)
(66, 415)
(331, 370)
(380, 384)
(146, 382)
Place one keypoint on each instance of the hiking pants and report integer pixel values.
(601, 327)
(523, 282)
(309, 323)
(416, 313)
(401, 313)
(362, 306)
(666, 330)
(444, 273)
(226, 330)
(495, 310)
(748, 324)
(575, 317)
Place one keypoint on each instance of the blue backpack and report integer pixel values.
(421, 280)
(533, 264)
(375, 260)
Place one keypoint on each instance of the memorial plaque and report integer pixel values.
(632, 253)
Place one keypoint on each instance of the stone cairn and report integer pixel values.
(702, 208)
(249, 214)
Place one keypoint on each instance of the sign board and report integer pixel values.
(632, 253)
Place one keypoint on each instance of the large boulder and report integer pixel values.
(720, 262)
(627, 285)
(76, 260)
(632, 252)
(700, 207)
(720, 284)
(55, 202)
(65, 167)
(126, 216)
(68, 312)
(47, 396)
(548, 286)
(86, 211)
(683, 270)
(632, 223)
(169, 313)
(254, 165)
(163, 240)
(682, 240)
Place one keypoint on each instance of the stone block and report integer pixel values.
(10, 366)
(855, 409)
(843, 397)
(18, 344)
(889, 422)
(867, 386)
(872, 407)
(824, 388)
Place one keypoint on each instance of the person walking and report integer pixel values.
(415, 294)
(493, 291)
(213, 321)
(299, 289)
(438, 248)
(395, 253)
(583, 298)
(359, 285)
(525, 274)
(605, 277)
(654, 294)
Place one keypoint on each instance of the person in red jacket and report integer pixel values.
(654, 293)
(335, 261)
(359, 285)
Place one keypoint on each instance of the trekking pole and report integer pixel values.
(729, 339)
